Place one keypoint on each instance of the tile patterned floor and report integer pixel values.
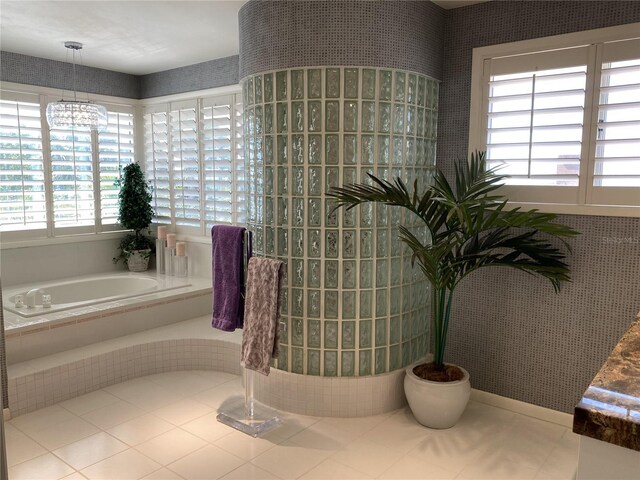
(164, 427)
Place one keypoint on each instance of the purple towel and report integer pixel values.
(228, 277)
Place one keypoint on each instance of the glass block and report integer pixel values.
(333, 83)
(282, 211)
(348, 334)
(394, 330)
(258, 120)
(249, 91)
(313, 334)
(330, 364)
(269, 241)
(283, 181)
(366, 304)
(406, 326)
(297, 332)
(395, 298)
(384, 152)
(348, 304)
(414, 349)
(297, 365)
(397, 156)
(410, 152)
(283, 244)
(349, 217)
(332, 115)
(331, 332)
(313, 303)
(332, 244)
(400, 87)
(368, 84)
(297, 242)
(331, 213)
(297, 84)
(411, 120)
(349, 175)
(315, 212)
(331, 274)
(297, 266)
(350, 116)
(381, 360)
(348, 364)
(382, 242)
(284, 329)
(365, 243)
(411, 88)
(268, 118)
(350, 149)
(268, 88)
(332, 147)
(396, 274)
(281, 118)
(297, 302)
(384, 117)
(349, 274)
(422, 82)
(314, 116)
(381, 332)
(366, 273)
(406, 354)
(365, 334)
(398, 119)
(281, 85)
(332, 175)
(381, 302)
(348, 244)
(394, 241)
(315, 243)
(297, 181)
(315, 181)
(314, 83)
(364, 366)
(367, 156)
(368, 116)
(269, 158)
(382, 273)
(297, 116)
(382, 215)
(366, 215)
(282, 149)
(283, 358)
(313, 278)
(384, 92)
(313, 362)
(315, 149)
(394, 358)
(268, 181)
(350, 83)
(258, 244)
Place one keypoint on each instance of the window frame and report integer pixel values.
(479, 107)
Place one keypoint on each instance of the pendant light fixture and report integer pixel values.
(75, 114)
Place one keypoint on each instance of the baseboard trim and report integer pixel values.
(523, 408)
(6, 414)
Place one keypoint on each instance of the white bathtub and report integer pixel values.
(84, 291)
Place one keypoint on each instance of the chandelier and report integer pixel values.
(75, 114)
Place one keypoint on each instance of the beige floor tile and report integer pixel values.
(562, 462)
(401, 431)
(21, 447)
(214, 397)
(90, 450)
(64, 433)
(244, 446)
(171, 446)
(183, 411)
(41, 419)
(249, 471)
(74, 476)
(162, 474)
(186, 383)
(208, 427)
(332, 469)
(412, 467)
(208, 463)
(127, 465)
(290, 460)
(140, 429)
(44, 467)
(496, 467)
(114, 414)
(89, 402)
(368, 457)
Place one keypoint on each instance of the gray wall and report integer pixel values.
(278, 34)
(514, 335)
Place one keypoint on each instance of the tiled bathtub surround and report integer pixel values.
(354, 305)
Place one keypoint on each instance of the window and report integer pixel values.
(193, 157)
(562, 120)
(59, 181)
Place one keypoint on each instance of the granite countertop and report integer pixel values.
(610, 408)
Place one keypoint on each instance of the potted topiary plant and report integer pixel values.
(135, 213)
(470, 228)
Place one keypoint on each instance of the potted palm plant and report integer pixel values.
(134, 213)
(470, 227)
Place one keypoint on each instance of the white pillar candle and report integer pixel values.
(181, 249)
(162, 232)
(171, 240)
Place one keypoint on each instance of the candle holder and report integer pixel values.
(181, 266)
(169, 255)
(160, 258)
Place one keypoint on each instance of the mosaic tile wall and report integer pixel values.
(354, 306)
(514, 335)
(403, 34)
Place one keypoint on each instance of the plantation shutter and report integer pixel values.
(22, 182)
(616, 169)
(240, 188)
(156, 148)
(115, 151)
(184, 161)
(535, 110)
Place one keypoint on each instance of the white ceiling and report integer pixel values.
(136, 37)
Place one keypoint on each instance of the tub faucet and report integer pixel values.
(30, 297)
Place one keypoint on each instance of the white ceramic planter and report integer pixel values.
(138, 261)
(436, 404)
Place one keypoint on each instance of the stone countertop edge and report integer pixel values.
(610, 408)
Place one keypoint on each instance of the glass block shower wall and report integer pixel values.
(353, 304)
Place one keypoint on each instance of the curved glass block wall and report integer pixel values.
(354, 305)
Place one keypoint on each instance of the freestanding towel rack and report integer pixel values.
(250, 416)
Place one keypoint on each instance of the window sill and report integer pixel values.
(59, 240)
(591, 210)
